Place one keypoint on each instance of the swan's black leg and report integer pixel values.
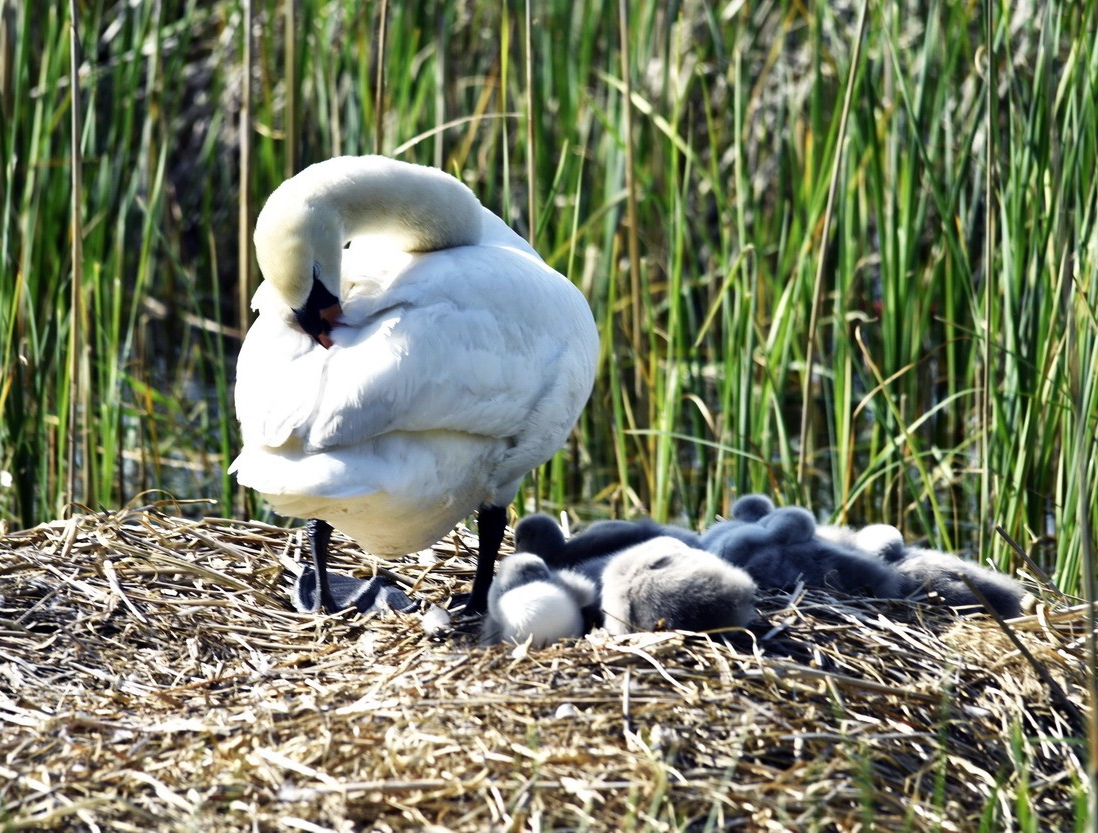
(320, 533)
(491, 521)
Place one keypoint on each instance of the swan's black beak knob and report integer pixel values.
(319, 314)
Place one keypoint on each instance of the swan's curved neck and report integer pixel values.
(421, 208)
(310, 217)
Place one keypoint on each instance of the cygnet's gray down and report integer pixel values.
(751, 508)
(779, 548)
(941, 572)
(527, 600)
(882, 541)
(540, 534)
(663, 583)
(932, 571)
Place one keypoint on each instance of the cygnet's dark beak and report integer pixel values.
(319, 314)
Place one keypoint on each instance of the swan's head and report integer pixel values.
(300, 233)
(299, 246)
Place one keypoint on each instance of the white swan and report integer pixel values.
(412, 360)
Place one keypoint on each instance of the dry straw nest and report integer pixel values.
(153, 677)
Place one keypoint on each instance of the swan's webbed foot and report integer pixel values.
(370, 595)
(318, 590)
(459, 603)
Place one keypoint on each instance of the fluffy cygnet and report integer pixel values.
(527, 600)
(664, 583)
(925, 570)
(780, 548)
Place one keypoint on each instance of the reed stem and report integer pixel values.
(289, 19)
(807, 406)
(78, 471)
(244, 208)
(379, 87)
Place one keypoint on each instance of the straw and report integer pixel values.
(153, 676)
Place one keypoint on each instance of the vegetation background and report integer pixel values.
(843, 253)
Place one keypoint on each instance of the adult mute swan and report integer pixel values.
(412, 360)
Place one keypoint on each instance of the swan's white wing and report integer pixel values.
(481, 340)
(456, 373)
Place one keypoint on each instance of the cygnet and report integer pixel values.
(664, 583)
(780, 548)
(926, 570)
(527, 600)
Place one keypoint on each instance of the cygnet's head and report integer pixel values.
(883, 541)
(540, 535)
(751, 508)
(790, 525)
(519, 568)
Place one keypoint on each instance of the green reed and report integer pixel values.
(684, 188)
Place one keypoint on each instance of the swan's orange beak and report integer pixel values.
(329, 316)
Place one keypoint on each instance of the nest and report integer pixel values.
(153, 676)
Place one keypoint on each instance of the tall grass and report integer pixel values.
(676, 161)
